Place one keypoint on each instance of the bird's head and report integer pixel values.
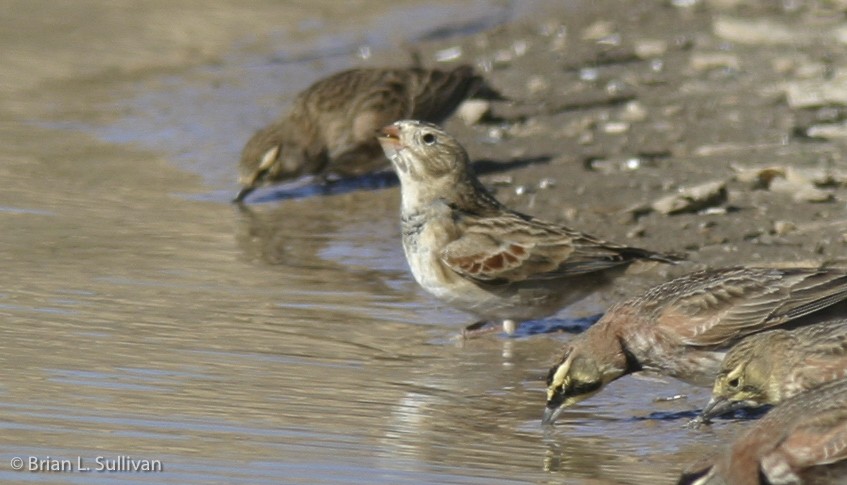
(268, 157)
(428, 161)
(742, 381)
(577, 376)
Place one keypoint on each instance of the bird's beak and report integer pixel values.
(250, 183)
(551, 414)
(718, 406)
(242, 194)
(389, 138)
(390, 132)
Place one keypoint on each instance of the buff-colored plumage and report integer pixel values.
(803, 440)
(772, 366)
(331, 127)
(683, 327)
(467, 249)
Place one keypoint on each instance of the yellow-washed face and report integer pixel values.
(740, 383)
(745, 382)
(577, 377)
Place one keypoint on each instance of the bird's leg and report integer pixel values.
(483, 327)
(478, 329)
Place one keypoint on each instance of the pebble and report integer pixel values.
(448, 54)
(707, 61)
(829, 131)
(813, 93)
(650, 48)
(692, 199)
(756, 32)
(473, 110)
(781, 228)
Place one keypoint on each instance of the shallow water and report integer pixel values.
(145, 316)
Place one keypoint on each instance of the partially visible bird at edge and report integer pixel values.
(683, 328)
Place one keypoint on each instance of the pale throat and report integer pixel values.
(410, 195)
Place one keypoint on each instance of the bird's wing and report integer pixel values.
(820, 439)
(823, 348)
(717, 308)
(435, 93)
(513, 247)
(373, 98)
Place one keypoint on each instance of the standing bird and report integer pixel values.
(469, 250)
(801, 441)
(330, 128)
(683, 327)
(772, 366)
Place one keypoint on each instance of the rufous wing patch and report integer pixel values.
(477, 257)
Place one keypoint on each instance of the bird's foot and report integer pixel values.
(697, 422)
(484, 327)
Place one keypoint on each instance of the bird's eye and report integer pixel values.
(428, 138)
(734, 383)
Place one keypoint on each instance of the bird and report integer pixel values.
(682, 328)
(803, 440)
(330, 128)
(470, 251)
(769, 367)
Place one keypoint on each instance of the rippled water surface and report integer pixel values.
(143, 315)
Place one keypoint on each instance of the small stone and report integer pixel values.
(636, 232)
(813, 93)
(547, 183)
(523, 190)
(713, 211)
(503, 57)
(840, 34)
(610, 40)
(537, 85)
(707, 61)
(473, 110)
(828, 131)
(520, 47)
(496, 133)
(448, 54)
(633, 111)
(570, 213)
(781, 228)
(692, 199)
(501, 180)
(632, 163)
(588, 74)
(598, 30)
(800, 189)
(757, 32)
(649, 48)
(616, 127)
(760, 177)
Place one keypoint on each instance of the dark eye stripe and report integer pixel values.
(577, 389)
(585, 388)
